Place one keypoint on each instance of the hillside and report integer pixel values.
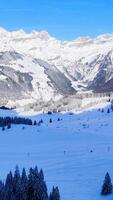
(74, 152)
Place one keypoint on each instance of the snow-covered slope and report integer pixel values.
(35, 66)
(75, 153)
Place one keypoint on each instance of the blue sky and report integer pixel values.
(64, 19)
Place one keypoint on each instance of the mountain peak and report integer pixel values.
(43, 35)
(42, 67)
(3, 32)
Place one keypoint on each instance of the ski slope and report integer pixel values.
(63, 150)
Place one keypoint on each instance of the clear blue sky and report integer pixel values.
(64, 19)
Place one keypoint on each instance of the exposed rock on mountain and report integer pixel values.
(37, 67)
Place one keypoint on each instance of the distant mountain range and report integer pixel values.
(37, 67)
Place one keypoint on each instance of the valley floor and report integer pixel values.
(75, 153)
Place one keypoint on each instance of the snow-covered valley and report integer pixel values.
(75, 152)
(36, 67)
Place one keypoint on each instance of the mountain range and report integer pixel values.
(36, 67)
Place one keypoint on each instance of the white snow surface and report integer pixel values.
(62, 149)
(42, 45)
(79, 60)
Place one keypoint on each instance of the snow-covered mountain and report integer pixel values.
(37, 67)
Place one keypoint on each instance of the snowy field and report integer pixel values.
(63, 150)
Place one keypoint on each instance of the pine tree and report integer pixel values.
(8, 126)
(55, 195)
(9, 187)
(40, 188)
(108, 111)
(107, 185)
(3, 128)
(50, 121)
(2, 190)
(112, 105)
(35, 123)
(24, 185)
(41, 174)
(17, 183)
(30, 185)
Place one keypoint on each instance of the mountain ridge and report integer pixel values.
(36, 66)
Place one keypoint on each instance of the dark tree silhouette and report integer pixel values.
(108, 110)
(107, 185)
(7, 121)
(26, 187)
(8, 126)
(50, 121)
(55, 195)
(35, 123)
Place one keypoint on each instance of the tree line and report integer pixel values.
(26, 187)
(5, 121)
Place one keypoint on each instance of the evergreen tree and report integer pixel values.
(30, 194)
(31, 187)
(49, 113)
(3, 128)
(108, 110)
(9, 187)
(17, 184)
(41, 121)
(24, 185)
(107, 185)
(2, 190)
(41, 174)
(50, 121)
(102, 110)
(35, 123)
(40, 188)
(112, 105)
(55, 195)
(9, 126)
(7, 121)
